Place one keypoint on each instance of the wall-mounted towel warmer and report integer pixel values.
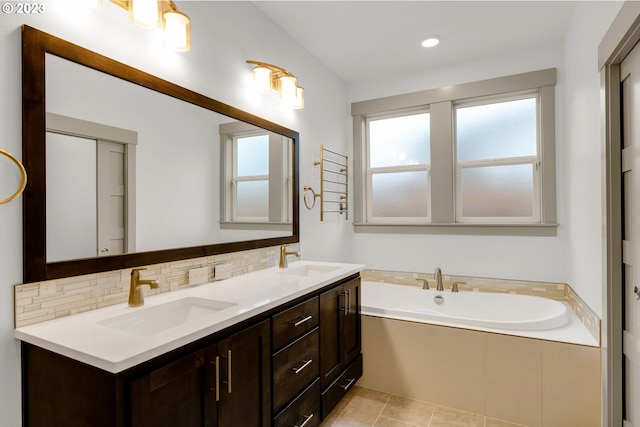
(334, 182)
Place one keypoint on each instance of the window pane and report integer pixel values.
(399, 141)
(252, 199)
(253, 155)
(500, 130)
(402, 194)
(497, 191)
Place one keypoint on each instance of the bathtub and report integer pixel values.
(474, 309)
(491, 354)
(510, 314)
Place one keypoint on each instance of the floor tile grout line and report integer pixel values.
(381, 410)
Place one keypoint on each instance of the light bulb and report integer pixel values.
(145, 13)
(177, 30)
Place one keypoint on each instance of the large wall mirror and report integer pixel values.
(127, 169)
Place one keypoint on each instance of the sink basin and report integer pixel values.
(154, 320)
(310, 270)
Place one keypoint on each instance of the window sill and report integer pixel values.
(457, 228)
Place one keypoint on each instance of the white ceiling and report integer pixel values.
(362, 39)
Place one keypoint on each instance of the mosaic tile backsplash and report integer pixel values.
(41, 301)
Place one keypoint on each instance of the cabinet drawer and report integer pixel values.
(336, 391)
(294, 367)
(294, 322)
(304, 411)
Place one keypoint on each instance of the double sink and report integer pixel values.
(149, 321)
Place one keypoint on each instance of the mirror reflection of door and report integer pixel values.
(86, 198)
(89, 189)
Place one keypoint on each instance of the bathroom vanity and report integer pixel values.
(282, 353)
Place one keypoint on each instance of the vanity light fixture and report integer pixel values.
(267, 77)
(176, 26)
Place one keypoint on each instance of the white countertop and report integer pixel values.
(82, 338)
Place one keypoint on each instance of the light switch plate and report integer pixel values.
(198, 275)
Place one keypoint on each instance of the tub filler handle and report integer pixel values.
(425, 283)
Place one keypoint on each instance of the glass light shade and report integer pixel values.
(299, 104)
(176, 28)
(261, 79)
(288, 89)
(145, 13)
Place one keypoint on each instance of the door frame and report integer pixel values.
(620, 38)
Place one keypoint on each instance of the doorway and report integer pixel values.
(621, 321)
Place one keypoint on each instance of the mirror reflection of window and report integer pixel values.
(251, 178)
(256, 167)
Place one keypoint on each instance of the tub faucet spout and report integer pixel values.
(438, 276)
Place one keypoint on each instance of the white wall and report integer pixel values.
(524, 258)
(224, 35)
(583, 165)
(574, 255)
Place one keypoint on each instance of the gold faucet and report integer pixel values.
(136, 298)
(438, 276)
(284, 254)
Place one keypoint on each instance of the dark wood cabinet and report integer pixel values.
(225, 384)
(287, 366)
(339, 329)
(245, 378)
(179, 393)
(340, 340)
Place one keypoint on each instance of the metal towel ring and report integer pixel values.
(23, 172)
(304, 198)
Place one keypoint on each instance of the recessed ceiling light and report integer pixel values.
(431, 42)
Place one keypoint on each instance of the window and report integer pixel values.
(250, 181)
(473, 158)
(256, 187)
(398, 167)
(497, 160)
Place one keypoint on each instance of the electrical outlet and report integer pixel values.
(198, 275)
(222, 271)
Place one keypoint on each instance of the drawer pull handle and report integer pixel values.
(217, 378)
(346, 387)
(307, 418)
(346, 303)
(306, 363)
(300, 322)
(229, 371)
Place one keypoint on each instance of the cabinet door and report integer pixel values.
(245, 389)
(351, 322)
(332, 309)
(176, 394)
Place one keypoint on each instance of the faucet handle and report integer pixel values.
(425, 283)
(454, 287)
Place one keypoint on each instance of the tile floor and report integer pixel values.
(362, 407)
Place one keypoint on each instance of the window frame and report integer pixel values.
(235, 179)
(440, 102)
(279, 179)
(394, 169)
(534, 161)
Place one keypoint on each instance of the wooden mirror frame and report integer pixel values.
(35, 44)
